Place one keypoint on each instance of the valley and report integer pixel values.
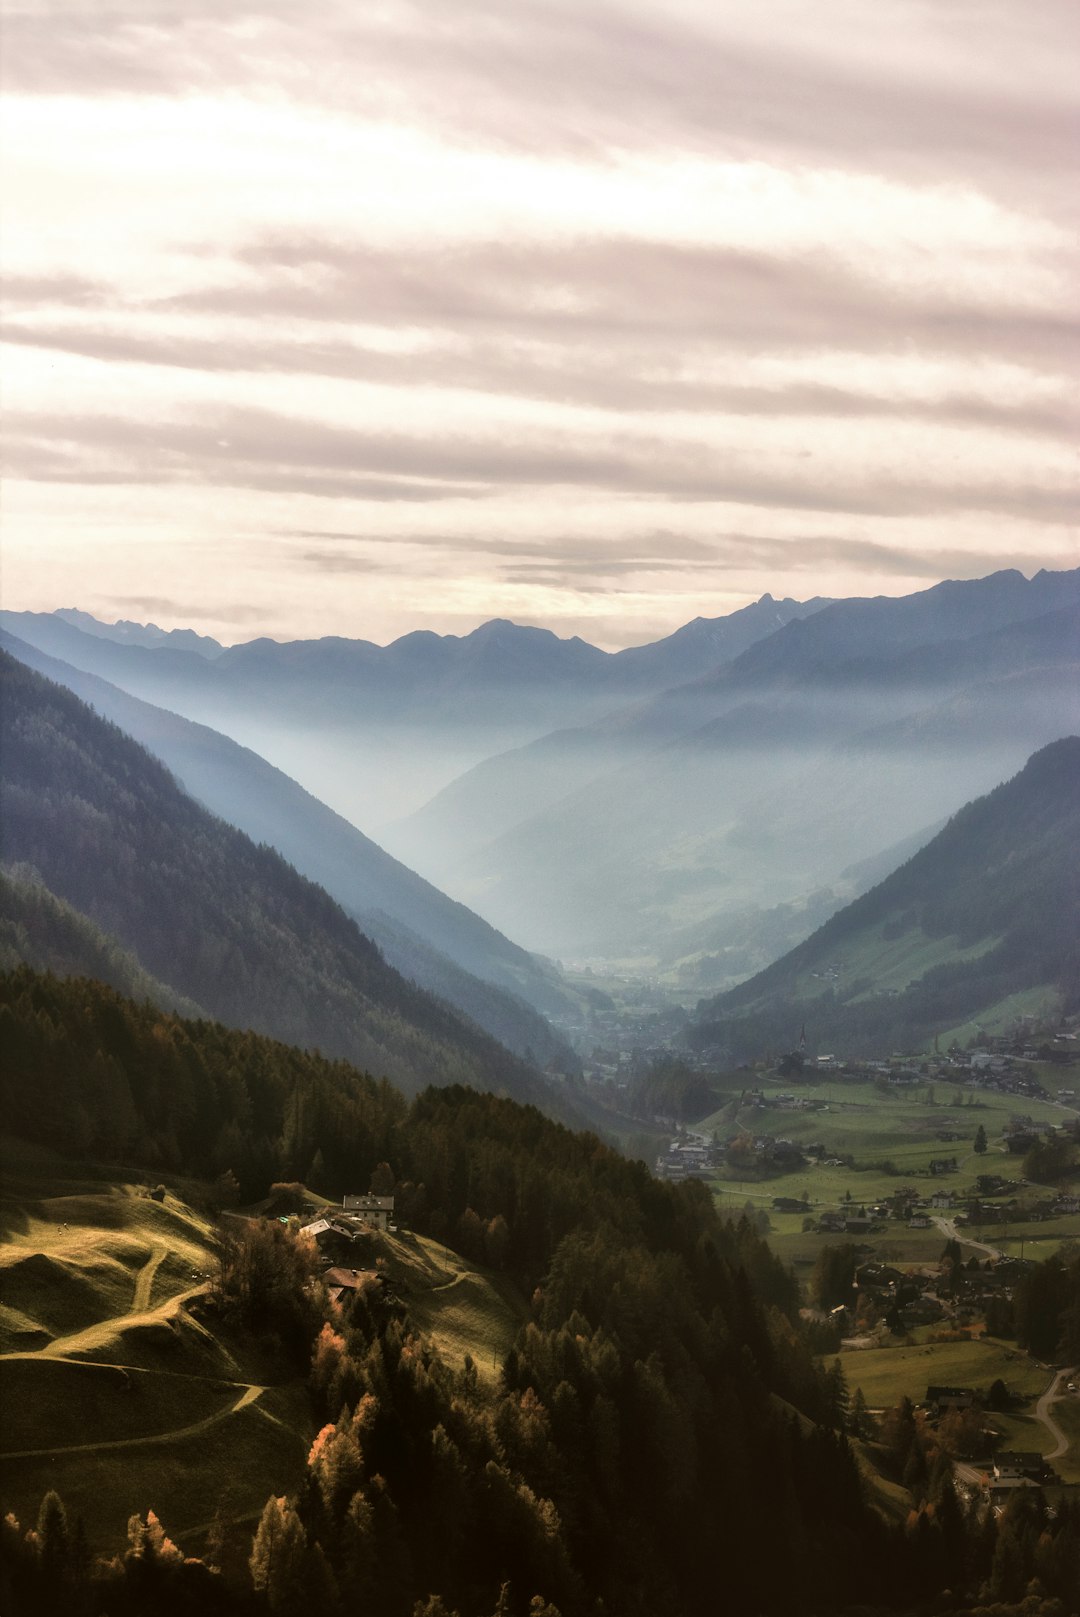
(764, 1188)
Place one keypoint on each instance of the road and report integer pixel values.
(1042, 1411)
(948, 1227)
(977, 1473)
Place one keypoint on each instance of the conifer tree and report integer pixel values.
(277, 1561)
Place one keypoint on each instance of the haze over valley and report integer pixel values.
(682, 810)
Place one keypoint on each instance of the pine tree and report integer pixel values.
(278, 1559)
(861, 1422)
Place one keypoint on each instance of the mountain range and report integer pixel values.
(660, 833)
(373, 730)
(690, 809)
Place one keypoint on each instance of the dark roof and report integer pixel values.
(346, 1279)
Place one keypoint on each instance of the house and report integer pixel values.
(344, 1282)
(1012, 1465)
(923, 1311)
(320, 1226)
(943, 1398)
(943, 1165)
(376, 1210)
(941, 1198)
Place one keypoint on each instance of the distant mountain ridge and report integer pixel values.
(226, 923)
(988, 910)
(609, 812)
(373, 730)
(127, 633)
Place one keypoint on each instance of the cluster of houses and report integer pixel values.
(1010, 1468)
(884, 1297)
(342, 1237)
(688, 1159)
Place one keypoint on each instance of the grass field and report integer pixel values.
(464, 1309)
(888, 1374)
(874, 1129)
(1066, 1411)
(1044, 1004)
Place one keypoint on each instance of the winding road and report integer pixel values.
(948, 1227)
(1042, 1411)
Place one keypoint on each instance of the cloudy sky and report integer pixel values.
(361, 317)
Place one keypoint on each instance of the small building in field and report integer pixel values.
(375, 1210)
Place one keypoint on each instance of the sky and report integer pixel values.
(361, 318)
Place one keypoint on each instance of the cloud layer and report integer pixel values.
(530, 305)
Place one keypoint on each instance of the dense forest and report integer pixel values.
(38, 929)
(1004, 873)
(660, 1441)
(226, 924)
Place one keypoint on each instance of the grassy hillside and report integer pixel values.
(987, 910)
(121, 1392)
(113, 1391)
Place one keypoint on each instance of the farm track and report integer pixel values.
(66, 1350)
(93, 1335)
(144, 1283)
(249, 1394)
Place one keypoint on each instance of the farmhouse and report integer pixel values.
(376, 1210)
(942, 1398)
(1011, 1465)
(343, 1282)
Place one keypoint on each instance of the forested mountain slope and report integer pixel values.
(649, 1398)
(223, 921)
(989, 908)
(430, 938)
(38, 929)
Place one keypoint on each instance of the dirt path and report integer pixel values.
(92, 1336)
(448, 1285)
(1042, 1412)
(248, 1396)
(144, 1284)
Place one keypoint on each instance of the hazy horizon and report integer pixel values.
(169, 622)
